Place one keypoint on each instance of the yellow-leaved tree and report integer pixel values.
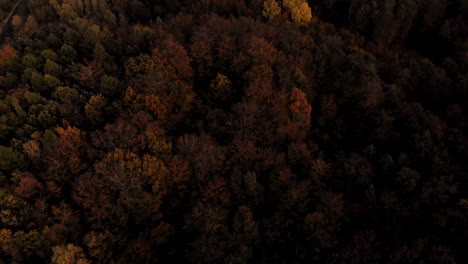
(300, 10)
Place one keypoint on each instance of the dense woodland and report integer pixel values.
(234, 131)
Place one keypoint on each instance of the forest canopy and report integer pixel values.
(227, 131)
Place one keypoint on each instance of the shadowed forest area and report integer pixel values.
(234, 131)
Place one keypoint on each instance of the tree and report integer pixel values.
(142, 64)
(110, 86)
(408, 179)
(221, 90)
(66, 157)
(302, 13)
(128, 132)
(6, 54)
(10, 159)
(174, 57)
(31, 61)
(94, 109)
(38, 83)
(28, 185)
(271, 9)
(49, 54)
(31, 25)
(67, 53)
(100, 54)
(325, 223)
(179, 171)
(70, 103)
(20, 244)
(90, 74)
(125, 187)
(299, 107)
(300, 10)
(52, 68)
(32, 149)
(69, 254)
(149, 103)
(261, 51)
(99, 245)
(51, 82)
(17, 21)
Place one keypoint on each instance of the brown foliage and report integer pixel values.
(28, 186)
(174, 57)
(67, 156)
(90, 74)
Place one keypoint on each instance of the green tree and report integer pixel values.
(51, 82)
(52, 68)
(49, 54)
(43, 115)
(67, 53)
(37, 81)
(110, 86)
(10, 159)
(29, 60)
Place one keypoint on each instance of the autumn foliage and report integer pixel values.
(227, 131)
(6, 54)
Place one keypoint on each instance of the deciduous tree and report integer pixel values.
(6, 54)
(69, 254)
(271, 9)
(300, 10)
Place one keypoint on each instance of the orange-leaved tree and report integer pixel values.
(6, 54)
